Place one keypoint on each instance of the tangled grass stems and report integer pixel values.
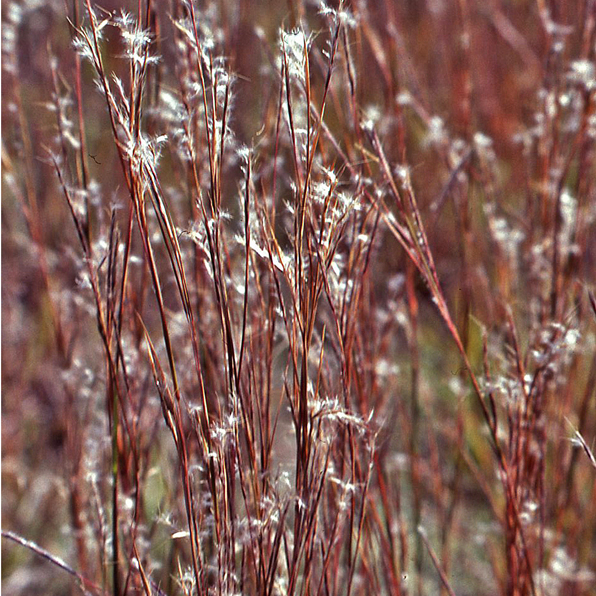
(266, 241)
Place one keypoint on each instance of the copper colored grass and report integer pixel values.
(299, 298)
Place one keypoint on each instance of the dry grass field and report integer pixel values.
(299, 297)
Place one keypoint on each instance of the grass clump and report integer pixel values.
(299, 299)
